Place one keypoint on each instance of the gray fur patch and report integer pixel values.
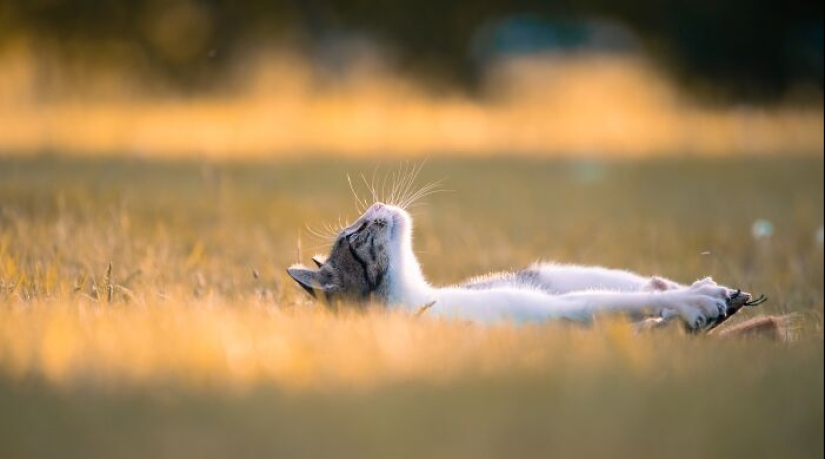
(524, 278)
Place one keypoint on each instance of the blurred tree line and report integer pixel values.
(750, 49)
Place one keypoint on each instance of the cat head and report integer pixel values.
(359, 266)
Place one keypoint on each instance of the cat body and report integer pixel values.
(558, 279)
(373, 260)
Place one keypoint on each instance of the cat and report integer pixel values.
(372, 260)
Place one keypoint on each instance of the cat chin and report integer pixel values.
(400, 226)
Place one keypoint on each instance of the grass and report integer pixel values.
(145, 311)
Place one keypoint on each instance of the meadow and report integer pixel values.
(145, 311)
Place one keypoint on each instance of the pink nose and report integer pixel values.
(377, 206)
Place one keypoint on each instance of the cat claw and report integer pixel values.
(759, 300)
(736, 301)
(739, 299)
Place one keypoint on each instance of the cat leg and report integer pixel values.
(699, 305)
(560, 279)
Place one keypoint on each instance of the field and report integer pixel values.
(145, 312)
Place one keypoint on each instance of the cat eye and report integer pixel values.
(351, 236)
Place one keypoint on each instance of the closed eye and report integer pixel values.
(351, 236)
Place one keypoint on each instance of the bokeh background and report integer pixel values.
(284, 78)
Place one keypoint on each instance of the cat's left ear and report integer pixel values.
(306, 278)
(319, 260)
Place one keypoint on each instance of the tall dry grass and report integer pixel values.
(135, 271)
(196, 344)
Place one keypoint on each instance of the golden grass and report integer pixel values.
(196, 344)
(197, 291)
(205, 344)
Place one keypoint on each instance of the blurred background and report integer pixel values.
(252, 78)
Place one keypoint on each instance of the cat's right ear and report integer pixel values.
(306, 278)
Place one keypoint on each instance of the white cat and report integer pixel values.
(373, 260)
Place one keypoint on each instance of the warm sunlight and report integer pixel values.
(576, 105)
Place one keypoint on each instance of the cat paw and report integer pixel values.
(704, 282)
(659, 284)
(700, 306)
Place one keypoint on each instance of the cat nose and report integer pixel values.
(377, 206)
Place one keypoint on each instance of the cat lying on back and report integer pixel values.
(373, 260)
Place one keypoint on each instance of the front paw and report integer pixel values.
(703, 283)
(659, 284)
(700, 306)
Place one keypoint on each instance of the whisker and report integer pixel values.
(360, 205)
(384, 197)
(401, 187)
(380, 185)
(396, 186)
(376, 195)
(409, 180)
(417, 194)
(393, 188)
(370, 188)
(327, 232)
(323, 235)
(331, 230)
(424, 191)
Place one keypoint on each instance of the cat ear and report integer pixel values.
(319, 260)
(306, 278)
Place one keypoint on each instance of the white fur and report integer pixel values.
(579, 292)
(574, 278)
